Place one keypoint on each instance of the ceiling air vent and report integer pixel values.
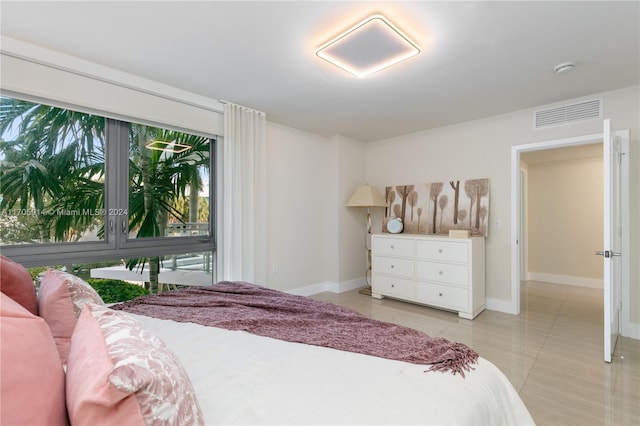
(567, 114)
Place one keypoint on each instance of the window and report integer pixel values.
(77, 187)
(169, 178)
(52, 174)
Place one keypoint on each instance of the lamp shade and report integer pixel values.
(367, 196)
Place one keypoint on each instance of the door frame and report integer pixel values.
(524, 233)
(516, 216)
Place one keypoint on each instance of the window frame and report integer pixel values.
(116, 244)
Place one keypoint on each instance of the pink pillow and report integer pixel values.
(32, 385)
(60, 302)
(118, 372)
(16, 282)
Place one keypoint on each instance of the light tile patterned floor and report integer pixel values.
(552, 352)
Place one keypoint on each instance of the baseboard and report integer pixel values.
(332, 287)
(310, 290)
(499, 305)
(566, 279)
(349, 285)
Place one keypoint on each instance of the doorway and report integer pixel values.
(517, 228)
(562, 215)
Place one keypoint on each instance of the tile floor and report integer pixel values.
(552, 352)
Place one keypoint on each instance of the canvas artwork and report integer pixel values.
(437, 207)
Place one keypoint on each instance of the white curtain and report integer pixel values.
(242, 242)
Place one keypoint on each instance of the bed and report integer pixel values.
(218, 375)
(250, 379)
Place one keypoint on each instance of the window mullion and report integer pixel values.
(121, 209)
(116, 185)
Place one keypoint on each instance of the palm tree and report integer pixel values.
(49, 145)
(82, 191)
(26, 183)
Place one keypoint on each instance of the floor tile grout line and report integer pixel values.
(544, 342)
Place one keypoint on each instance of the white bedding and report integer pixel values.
(241, 378)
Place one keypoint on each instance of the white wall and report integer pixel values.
(565, 221)
(481, 149)
(300, 168)
(315, 243)
(350, 250)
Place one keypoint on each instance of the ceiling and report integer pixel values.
(477, 59)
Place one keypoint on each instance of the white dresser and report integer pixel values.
(438, 271)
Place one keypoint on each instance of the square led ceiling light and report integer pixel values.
(368, 47)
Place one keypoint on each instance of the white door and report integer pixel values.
(612, 239)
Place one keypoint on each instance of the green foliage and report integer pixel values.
(51, 161)
(113, 291)
(35, 272)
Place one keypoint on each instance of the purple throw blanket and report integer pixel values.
(271, 313)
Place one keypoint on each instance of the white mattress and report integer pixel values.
(241, 378)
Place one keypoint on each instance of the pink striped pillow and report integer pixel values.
(118, 372)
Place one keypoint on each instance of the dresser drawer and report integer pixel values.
(393, 247)
(392, 265)
(442, 295)
(442, 250)
(442, 272)
(392, 286)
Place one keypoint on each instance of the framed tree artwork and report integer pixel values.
(438, 207)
